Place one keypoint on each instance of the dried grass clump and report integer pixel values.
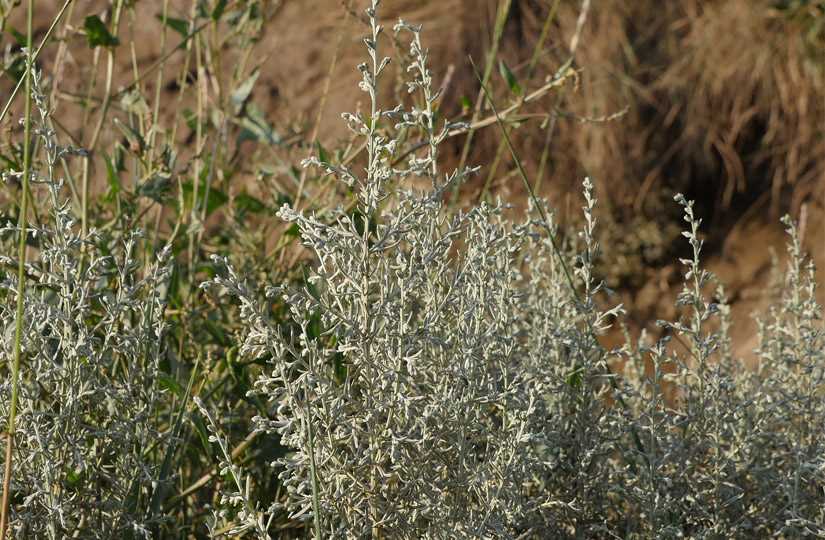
(750, 91)
(724, 98)
(723, 101)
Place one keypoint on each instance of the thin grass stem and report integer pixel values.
(498, 31)
(21, 277)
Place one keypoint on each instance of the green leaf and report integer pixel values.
(322, 153)
(178, 25)
(508, 76)
(167, 382)
(11, 161)
(162, 482)
(15, 64)
(16, 68)
(339, 368)
(283, 199)
(203, 435)
(295, 174)
(214, 199)
(247, 203)
(217, 333)
(191, 119)
(136, 142)
(218, 10)
(157, 188)
(314, 329)
(97, 34)
(112, 177)
(73, 478)
(360, 220)
(19, 37)
(293, 231)
(574, 380)
(119, 158)
(240, 95)
(256, 127)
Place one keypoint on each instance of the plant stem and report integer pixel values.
(21, 277)
(531, 66)
(498, 31)
(104, 109)
(321, 105)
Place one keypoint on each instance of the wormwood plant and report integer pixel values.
(730, 453)
(440, 375)
(86, 444)
(433, 375)
(437, 370)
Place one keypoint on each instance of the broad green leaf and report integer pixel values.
(97, 35)
(178, 25)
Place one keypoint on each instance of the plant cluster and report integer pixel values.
(443, 372)
(433, 373)
(89, 397)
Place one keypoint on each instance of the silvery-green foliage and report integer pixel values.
(732, 453)
(88, 406)
(792, 354)
(249, 517)
(686, 480)
(447, 388)
(441, 375)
